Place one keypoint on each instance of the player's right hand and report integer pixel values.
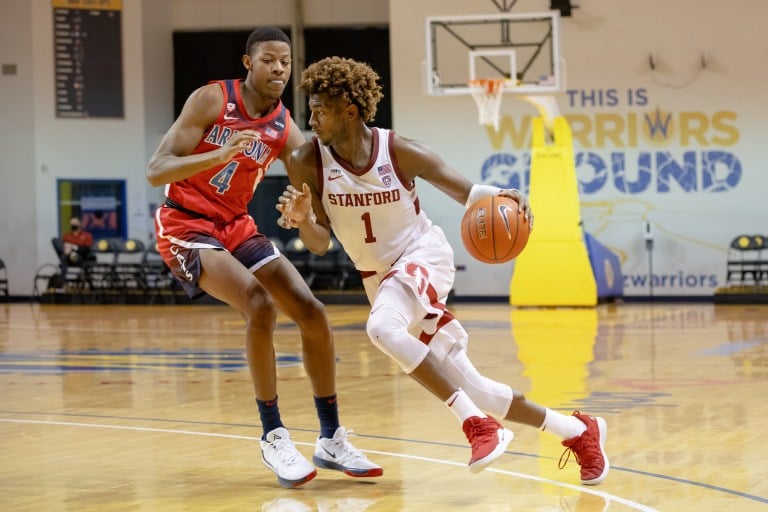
(240, 141)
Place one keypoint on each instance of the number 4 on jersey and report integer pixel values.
(222, 178)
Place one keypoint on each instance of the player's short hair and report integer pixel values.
(263, 34)
(348, 79)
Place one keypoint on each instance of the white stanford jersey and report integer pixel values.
(373, 212)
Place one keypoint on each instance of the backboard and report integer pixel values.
(523, 46)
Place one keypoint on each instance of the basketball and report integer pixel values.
(493, 231)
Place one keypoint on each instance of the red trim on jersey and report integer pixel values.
(318, 167)
(371, 158)
(409, 185)
(241, 104)
(223, 110)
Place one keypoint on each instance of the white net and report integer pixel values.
(487, 94)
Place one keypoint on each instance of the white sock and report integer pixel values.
(566, 427)
(462, 406)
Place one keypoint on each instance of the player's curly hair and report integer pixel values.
(347, 79)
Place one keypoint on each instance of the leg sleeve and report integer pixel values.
(489, 395)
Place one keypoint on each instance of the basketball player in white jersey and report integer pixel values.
(360, 181)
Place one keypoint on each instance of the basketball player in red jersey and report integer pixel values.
(210, 161)
(361, 182)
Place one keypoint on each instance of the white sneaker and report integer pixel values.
(339, 454)
(281, 456)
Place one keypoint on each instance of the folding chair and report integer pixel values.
(47, 279)
(99, 272)
(744, 260)
(72, 272)
(761, 245)
(350, 277)
(323, 270)
(298, 254)
(127, 269)
(4, 281)
(157, 277)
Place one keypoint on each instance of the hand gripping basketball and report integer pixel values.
(493, 231)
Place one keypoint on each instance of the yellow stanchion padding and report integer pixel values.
(554, 268)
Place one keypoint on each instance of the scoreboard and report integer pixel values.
(88, 58)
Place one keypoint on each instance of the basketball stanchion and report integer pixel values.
(546, 105)
(487, 93)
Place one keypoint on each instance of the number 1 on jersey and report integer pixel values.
(369, 238)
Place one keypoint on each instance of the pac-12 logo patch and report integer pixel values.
(385, 173)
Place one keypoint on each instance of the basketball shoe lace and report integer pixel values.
(345, 453)
(483, 436)
(285, 450)
(586, 451)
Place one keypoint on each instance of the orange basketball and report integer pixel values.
(493, 231)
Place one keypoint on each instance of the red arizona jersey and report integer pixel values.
(223, 192)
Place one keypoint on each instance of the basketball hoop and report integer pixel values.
(487, 94)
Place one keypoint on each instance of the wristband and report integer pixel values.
(480, 191)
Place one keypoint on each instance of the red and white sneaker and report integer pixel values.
(339, 454)
(589, 450)
(489, 440)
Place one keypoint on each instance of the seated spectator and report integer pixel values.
(77, 243)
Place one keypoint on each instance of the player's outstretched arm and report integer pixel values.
(417, 159)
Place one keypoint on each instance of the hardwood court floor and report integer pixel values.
(150, 408)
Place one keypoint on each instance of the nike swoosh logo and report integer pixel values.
(230, 118)
(329, 453)
(503, 209)
(335, 177)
